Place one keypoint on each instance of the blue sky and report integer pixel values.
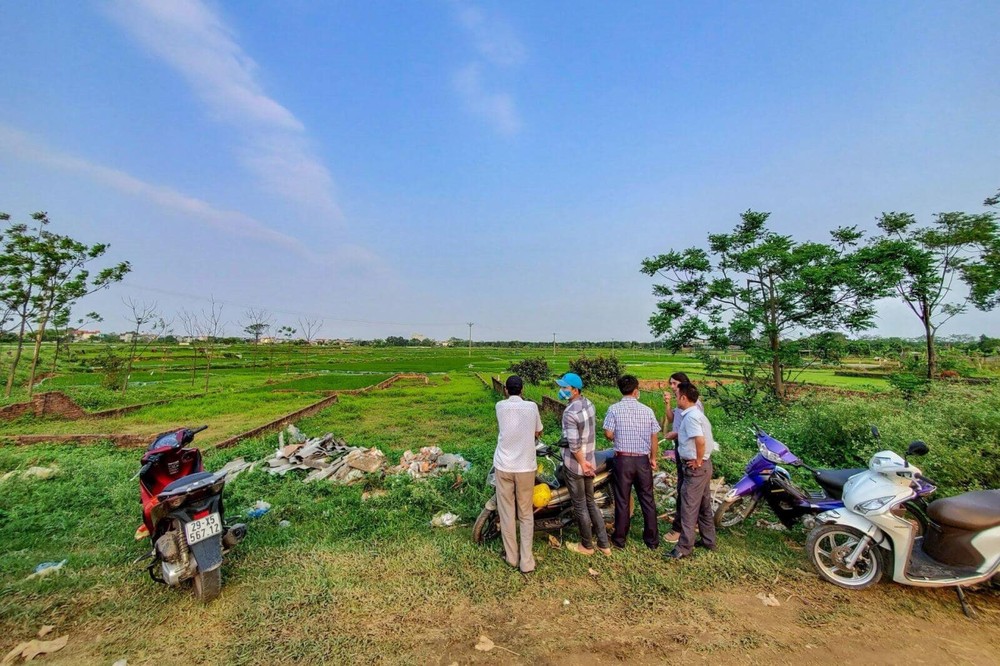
(403, 167)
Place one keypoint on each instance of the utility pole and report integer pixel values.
(470, 337)
(553, 345)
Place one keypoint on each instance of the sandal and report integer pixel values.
(579, 549)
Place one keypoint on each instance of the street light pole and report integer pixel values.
(470, 337)
(553, 345)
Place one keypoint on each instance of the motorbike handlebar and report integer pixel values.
(923, 478)
(198, 429)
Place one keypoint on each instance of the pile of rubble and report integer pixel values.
(326, 457)
(332, 459)
(429, 461)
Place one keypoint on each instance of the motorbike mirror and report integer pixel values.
(875, 433)
(917, 448)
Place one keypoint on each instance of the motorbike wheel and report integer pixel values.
(830, 545)
(735, 511)
(487, 526)
(207, 584)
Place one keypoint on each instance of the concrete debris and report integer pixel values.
(233, 468)
(429, 461)
(326, 458)
(665, 491)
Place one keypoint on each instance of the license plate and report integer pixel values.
(199, 530)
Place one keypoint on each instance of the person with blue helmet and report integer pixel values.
(580, 431)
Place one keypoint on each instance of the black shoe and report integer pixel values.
(676, 555)
(701, 544)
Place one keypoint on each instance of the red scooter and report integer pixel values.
(182, 515)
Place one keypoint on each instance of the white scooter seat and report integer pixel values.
(974, 511)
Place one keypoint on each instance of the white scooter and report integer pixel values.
(853, 546)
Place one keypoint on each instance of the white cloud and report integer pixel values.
(193, 40)
(492, 36)
(496, 107)
(19, 145)
(498, 46)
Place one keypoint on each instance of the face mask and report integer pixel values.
(565, 394)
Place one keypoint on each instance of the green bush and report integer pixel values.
(598, 371)
(532, 370)
(961, 425)
(909, 384)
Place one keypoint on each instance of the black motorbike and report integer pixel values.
(553, 506)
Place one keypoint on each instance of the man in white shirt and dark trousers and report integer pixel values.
(695, 446)
(632, 426)
(514, 461)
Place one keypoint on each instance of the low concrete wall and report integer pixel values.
(51, 403)
(124, 441)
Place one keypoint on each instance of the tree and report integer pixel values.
(286, 333)
(64, 334)
(753, 287)
(310, 328)
(927, 261)
(43, 275)
(147, 325)
(213, 327)
(192, 329)
(255, 324)
(532, 370)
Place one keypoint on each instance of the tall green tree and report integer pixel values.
(754, 287)
(43, 275)
(928, 260)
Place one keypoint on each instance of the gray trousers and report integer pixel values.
(514, 506)
(589, 518)
(696, 508)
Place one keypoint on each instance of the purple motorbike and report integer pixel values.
(766, 479)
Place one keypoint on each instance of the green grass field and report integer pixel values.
(360, 577)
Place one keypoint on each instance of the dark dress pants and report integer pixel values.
(676, 525)
(697, 508)
(634, 471)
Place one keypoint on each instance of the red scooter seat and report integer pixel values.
(975, 511)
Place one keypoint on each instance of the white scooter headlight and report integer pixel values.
(873, 504)
(768, 454)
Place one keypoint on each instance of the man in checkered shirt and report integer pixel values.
(633, 427)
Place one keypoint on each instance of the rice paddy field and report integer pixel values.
(359, 576)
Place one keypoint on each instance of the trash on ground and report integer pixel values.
(233, 468)
(45, 630)
(485, 644)
(121, 662)
(284, 523)
(31, 649)
(593, 573)
(429, 461)
(565, 602)
(554, 543)
(259, 509)
(46, 568)
(32, 473)
(768, 599)
(768, 525)
(445, 520)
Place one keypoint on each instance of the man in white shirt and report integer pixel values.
(514, 461)
(695, 446)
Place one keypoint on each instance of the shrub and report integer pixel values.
(909, 384)
(112, 368)
(531, 370)
(598, 371)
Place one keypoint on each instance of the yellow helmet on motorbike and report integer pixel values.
(541, 496)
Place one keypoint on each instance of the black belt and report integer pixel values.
(631, 455)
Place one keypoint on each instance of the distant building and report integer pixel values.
(80, 334)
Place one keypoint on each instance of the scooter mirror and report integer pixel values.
(917, 448)
(875, 433)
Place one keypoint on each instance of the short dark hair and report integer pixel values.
(681, 377)
(689, 391)
(627, 384)
(514, 385)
